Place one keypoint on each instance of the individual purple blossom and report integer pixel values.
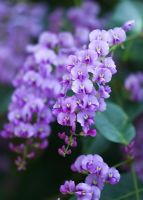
(109, 64)
(95, 193)
(94, 180)
(99, 35)
(68, 187)
(100, 47)
(48, 39)
(66, 39)
(87, 57)
(129, 25)
(113, 176)
(102, 75)
(82, 87)
(83, 191)
(117, 35)
(24, 131)
(79, 73)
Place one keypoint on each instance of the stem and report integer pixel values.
(133, 37)
(135, 183)
(129, 194)
(67, 148)
(123, 163)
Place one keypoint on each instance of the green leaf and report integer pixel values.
(115, 125)
(128, 10)
(124, 190)
(91, 145)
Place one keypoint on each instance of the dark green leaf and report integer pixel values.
(114, 125)
(96, 144)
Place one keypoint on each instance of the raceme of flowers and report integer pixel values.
(134, 84)
(85, 84)
(36, 88)
(97, 174)
(19, 24)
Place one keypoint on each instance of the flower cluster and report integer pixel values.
(134, 84)
(19, 23)
(97, 174)
(36, 88)
(85, 82)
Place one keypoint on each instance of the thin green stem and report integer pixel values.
(135, 183)
(129, 194)
(123, 163)
(69, 144)
(133, 37)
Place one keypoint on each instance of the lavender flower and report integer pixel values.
(129, 25)
(87, 73)
(68, 187)
(37, 86)
(97, 174)
(17, 34)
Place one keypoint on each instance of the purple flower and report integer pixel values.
(83, 191)
(129, 25)
(97, 174)
(102, 75)
(94, 180)
(79, 72)
(95, 193)
(109, 63)
(99, 35)
(80, 87)
(66, 40)
(69, 105)
(66, 119)
(68, 187)
(113, 176)
(100, 47)
(85, 119)
(48, 39)
(24, 130)
(87, 57)
(45, 56)
(118, 35)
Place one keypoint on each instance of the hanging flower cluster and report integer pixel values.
(36, 88)
(97, 174)
(85, 84)
(19, 24)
